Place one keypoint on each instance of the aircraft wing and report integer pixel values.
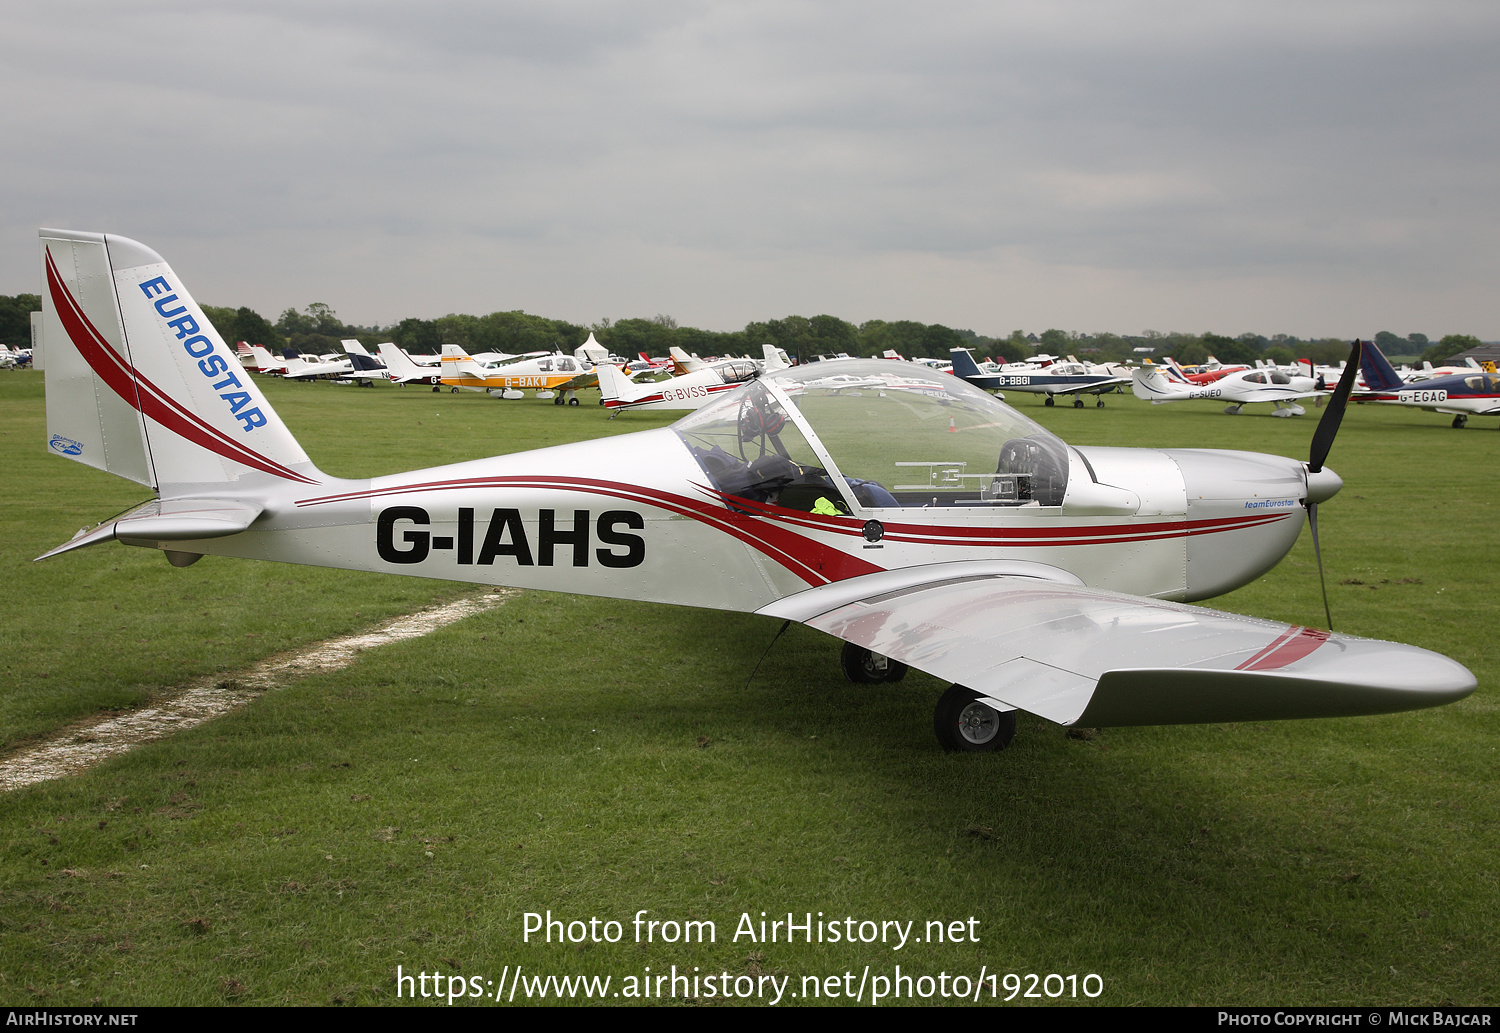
(589, 378)
(1265, 395)
(1097, 386)
(1079, 655)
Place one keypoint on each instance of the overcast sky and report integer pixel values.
(1307, 168)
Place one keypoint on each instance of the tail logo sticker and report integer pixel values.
(65, 446)
(201, 348)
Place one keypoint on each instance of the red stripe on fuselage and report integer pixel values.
(813, 562)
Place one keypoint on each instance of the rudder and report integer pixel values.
(139, 382)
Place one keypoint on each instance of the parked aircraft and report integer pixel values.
(940, 529)
(688, 391)
(1238, 389)
(267, 363)
(364, 368)
(299, 368)
(1057, 378)
(404, 371)
(1460, 395)
(547, 374)
(1205, 374)
(1428, 371)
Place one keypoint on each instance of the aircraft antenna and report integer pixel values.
(784, 626)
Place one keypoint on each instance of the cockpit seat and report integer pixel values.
(1040, 465)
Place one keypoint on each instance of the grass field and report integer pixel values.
(596, 758)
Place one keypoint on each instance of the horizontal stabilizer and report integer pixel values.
(170, 520)
(1074, 654)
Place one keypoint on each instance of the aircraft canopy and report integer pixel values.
(863, 434)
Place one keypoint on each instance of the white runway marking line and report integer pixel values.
(208, 698)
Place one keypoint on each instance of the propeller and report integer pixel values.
(1322, 441)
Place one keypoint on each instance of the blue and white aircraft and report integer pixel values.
(1460, 395)
(1059, 378)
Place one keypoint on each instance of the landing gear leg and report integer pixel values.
(965, 725)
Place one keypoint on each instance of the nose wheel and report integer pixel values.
(964, 724)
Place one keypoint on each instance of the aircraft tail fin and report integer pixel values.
(457, 363)
(363, 362)
(140, 384)
(614, 387)
(775, 358)
(354, 348)
(1378, 373)
(399, 363)
(683, 362)
(1175, 372)
(1147, 383)
(963, 363)
(264, 360)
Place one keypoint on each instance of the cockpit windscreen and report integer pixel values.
(899, 434)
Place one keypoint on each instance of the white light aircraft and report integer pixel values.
(298, 368)
(1243, 388)
(686, 392)
(403, 370)
(940, 529)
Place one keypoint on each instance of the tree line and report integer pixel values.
(318, 329)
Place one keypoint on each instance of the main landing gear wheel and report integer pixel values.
(1049, 401)
(1460, 421)
(572, 401)
(1100, 403)
(454, 390)
(559, 400)
(965, 725)
(863, 667)
(1078, 403)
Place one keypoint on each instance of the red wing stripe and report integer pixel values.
(1291, 646)
(140, 393)
(1275, 644)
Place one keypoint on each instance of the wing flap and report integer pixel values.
(1074, 654)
